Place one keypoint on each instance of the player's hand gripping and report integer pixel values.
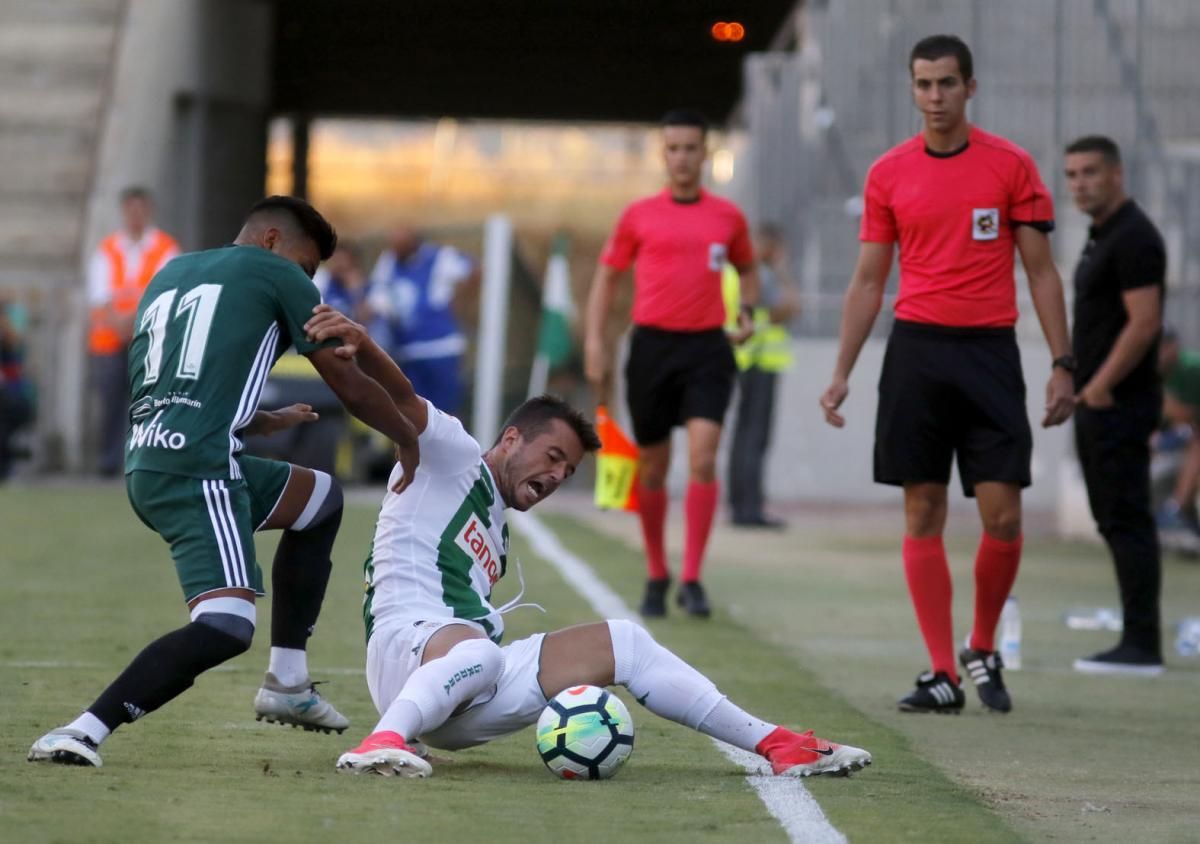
(267, 422)
(273, 421)
(1060, 398)
(327, 322)
(832, 399)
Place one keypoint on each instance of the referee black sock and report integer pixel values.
(299, 575)
(164, 669)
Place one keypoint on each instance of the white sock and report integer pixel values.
(733, 725)
(289, 665)
(659, 680)
(668, 686)
(440, 686)
(90, 726)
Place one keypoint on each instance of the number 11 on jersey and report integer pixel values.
(199, 305)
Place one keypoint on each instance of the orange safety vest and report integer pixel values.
(126, 285)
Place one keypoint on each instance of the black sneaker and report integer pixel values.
(654, 602)
(1123, 659)
(693, 600)
(983, 667)
(934, 693)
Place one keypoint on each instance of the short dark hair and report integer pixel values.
(936, 47)
(1102, 144)
(686, 117)
(136, 192)
(315, 227)
(534, 416)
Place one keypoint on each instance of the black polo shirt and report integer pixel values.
(1124, 253)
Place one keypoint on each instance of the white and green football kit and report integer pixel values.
(442, 545)
(439, 548)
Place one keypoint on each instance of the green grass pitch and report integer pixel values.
(812, 630)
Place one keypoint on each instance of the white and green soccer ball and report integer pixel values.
(584, 733)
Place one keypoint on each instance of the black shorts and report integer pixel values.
(674, 376)
(947, 392)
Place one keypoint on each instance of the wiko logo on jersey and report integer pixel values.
(475, 540)
(985, 223)
(153, 435)
(716, 256)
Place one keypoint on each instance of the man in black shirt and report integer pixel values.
(1119, 285)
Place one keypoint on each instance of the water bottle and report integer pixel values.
(1010, 633)
(1187, 642)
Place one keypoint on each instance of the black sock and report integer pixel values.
(299, 576)
(164, 669)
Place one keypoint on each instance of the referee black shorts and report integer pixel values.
(947, 392)
(674, 376)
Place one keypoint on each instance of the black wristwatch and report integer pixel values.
(1066, 362)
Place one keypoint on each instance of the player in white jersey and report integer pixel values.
(435, 667)
(438, 553)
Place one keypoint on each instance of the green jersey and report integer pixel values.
(208, 329)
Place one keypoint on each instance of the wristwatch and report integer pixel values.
(1066, 362)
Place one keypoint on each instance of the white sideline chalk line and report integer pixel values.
(786, 798)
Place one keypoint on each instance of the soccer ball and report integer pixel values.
(584, 733)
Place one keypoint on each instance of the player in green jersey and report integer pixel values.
(209, 327)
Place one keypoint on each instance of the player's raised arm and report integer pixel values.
(367, 400)
(328, 323)
(861, 306)
(1045, 287)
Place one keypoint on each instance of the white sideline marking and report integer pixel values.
(786, 798)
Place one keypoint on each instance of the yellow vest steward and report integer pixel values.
(770, 347)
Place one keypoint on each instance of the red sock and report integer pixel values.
(699, 507)
(928, 576)
(996, 566)
(652, 510)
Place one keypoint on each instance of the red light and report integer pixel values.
(728, 31)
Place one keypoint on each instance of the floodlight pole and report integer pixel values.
(493, 326)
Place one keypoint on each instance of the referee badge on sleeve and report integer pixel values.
(985, 223)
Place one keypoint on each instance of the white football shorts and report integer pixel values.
(516, 701)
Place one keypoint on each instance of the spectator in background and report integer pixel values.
(118, 272)
(1180, 370)
(413, 288)
(342, 282)
(760, 360)
(1119, 285)
(16, 405)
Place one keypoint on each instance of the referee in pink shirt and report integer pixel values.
(955, 201)
(680, 369)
